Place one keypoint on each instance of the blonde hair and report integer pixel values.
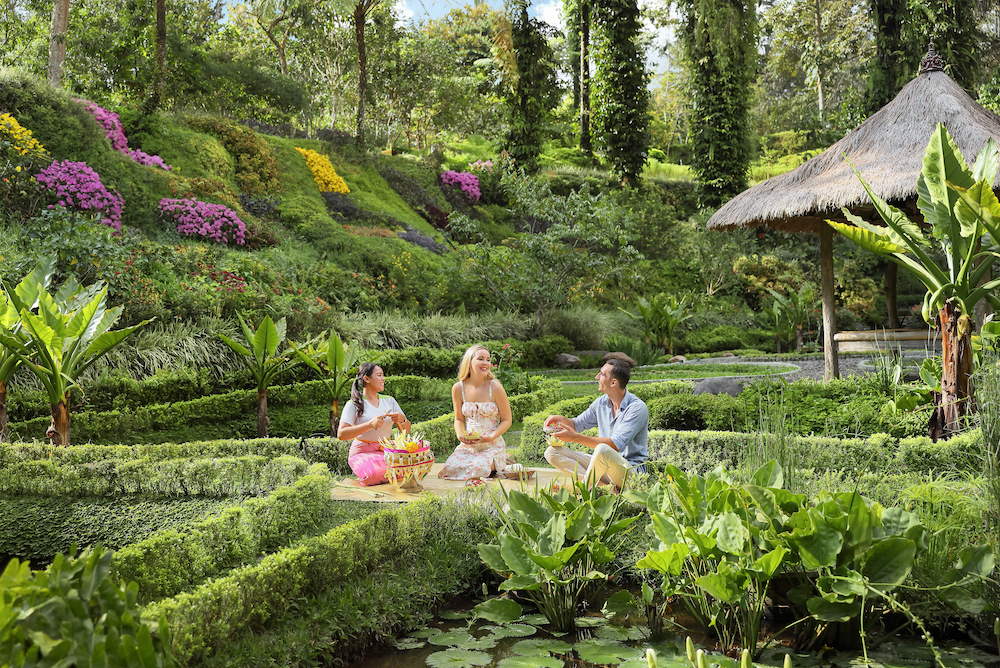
(465, 368)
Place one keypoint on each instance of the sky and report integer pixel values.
(422, 10)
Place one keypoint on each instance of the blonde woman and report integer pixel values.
(482, 415)
(367, 417)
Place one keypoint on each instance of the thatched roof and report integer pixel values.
(887, 149)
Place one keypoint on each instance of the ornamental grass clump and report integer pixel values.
(467, 181)
(326, 176)
(77, 186)
(212, 222)
(112, 126)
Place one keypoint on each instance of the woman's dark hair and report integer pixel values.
(358, 386)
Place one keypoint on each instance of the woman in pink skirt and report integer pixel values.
(367, 418)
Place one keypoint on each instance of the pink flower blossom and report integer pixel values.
(112, 126)
(467, 181)
(78, 186)
(213, 222)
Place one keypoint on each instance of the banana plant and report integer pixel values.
(12, 300)
(962, 219)
(661, 315)
(70, 331)
(332, 360)
(263, 360)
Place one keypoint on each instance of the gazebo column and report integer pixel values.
(832, 365)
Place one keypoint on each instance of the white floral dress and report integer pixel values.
(477, 461)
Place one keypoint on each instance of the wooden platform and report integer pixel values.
(349, 489)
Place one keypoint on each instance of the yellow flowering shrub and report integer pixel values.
(324, 173)
(20, 139)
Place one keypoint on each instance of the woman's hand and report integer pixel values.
(376, 422)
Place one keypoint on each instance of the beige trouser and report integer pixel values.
(605, 465)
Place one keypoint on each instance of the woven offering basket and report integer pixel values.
(405, 469)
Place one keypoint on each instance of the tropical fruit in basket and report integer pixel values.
(554, 441)
(474, 435)
(413, 446)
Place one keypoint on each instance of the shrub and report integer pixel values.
(75, 612)
(690, 412)
(77, 186)
(211, 222)
(326, 176)
(19, 139)
(724, 337)
(256, 166)
(467, 181)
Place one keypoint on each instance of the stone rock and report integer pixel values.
(718, 386)
(729, 354)
(565, 360)
(677, 358)
(621, 356)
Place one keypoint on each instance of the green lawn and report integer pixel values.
(677, 372)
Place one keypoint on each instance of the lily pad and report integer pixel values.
(512, 631)
(589, 622)
(404, 644)
(540, 647)
(450, 638)
(458, 658)
(485, 643)
(425, 632)
(534, 620)
(453, 615)
(619, 633)
(606, 652)
(531, 662)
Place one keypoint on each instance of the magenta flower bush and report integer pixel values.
(77, 186)
(467, 181)
(212, 222)
(111, 123)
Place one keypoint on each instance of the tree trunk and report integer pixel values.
(955, 400)
(831, 362)
(155, 98)
(360, 12)
(585, 144)
(777, 342)
(262, 419)
(57, 41)
(4, 426)
(817, 16)
(798, 337)
(334, 418)
(58, 432)
(891, 307)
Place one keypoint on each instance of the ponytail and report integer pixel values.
(358, 386)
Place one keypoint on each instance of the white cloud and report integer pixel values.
(402, 12)
(551, 13)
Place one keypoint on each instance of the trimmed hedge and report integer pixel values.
(176, 559)
(249, 475)
(702, 451)
(38, 528)
(204, 621)
(532, 447)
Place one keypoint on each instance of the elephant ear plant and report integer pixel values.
(556, 549)
(263, 360)
(70, 331)
(332, 360)
(724, 548)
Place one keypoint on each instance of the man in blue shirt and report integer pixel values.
(622, 422)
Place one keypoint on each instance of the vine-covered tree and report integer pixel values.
(719, 39)
(621, 92)
(530, 99)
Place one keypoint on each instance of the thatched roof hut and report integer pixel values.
(888, 150)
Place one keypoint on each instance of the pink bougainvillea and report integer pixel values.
(467, 181)
(213, 222)
(112, 126)
(77, 186)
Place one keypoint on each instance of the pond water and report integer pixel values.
(455, 640)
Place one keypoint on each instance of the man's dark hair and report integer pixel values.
(620, 371)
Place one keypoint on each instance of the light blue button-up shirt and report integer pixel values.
(628, 429)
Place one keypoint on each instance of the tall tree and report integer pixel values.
(361, 11)
(719, 39)
(57, 40)
(585, 102)
(621, 90)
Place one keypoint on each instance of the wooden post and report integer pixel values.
(832, 364)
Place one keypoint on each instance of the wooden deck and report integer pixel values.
(349, 489)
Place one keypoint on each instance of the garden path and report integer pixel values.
(348, 489)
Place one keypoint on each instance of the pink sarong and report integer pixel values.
(367, 462)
